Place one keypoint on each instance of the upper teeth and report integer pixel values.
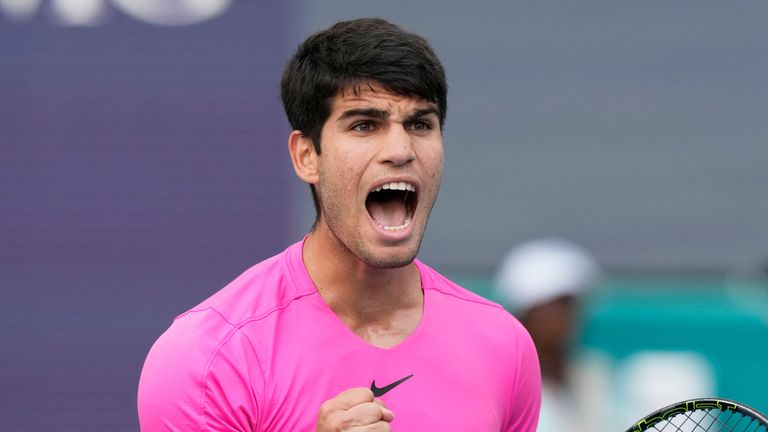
(396, 186)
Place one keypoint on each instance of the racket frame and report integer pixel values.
(692, 405)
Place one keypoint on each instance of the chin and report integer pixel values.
(389, 262)
(389, 257)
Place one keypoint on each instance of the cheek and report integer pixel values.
(438, 156)
(437, 173)
(345, 175)
(431, 158)
(337, 179)
(437, 169)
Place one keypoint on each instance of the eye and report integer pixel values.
(420, 125)
(363, 126)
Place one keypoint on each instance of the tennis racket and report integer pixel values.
(703, 415)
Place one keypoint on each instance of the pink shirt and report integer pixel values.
(264, 353)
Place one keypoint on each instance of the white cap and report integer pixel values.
(543, 270)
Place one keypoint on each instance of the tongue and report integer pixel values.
(390, 213)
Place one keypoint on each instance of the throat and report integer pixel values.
(381, 315)
(386, 329)
(387, 337)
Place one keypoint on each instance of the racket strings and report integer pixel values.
(713, 420)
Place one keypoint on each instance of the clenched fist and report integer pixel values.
(356, 410)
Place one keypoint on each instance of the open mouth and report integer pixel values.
(392, 205)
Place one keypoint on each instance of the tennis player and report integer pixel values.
(346, 330)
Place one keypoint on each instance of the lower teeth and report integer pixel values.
(396, 228)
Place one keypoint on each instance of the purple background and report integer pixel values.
(141, 168)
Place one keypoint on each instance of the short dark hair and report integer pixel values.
(351, 55)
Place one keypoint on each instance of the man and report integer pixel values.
(544, 281)
(345, 330)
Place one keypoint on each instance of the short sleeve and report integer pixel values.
(201, 375)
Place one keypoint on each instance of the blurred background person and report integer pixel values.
(543, 283)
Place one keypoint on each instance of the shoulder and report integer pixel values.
(194, 376)
(476, 315)
(259, 291)
(204, 364)
(495, 338)
(458, 296)
(253, 296)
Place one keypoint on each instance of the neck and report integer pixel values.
(380, 305)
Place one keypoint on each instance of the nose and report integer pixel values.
(397, 148)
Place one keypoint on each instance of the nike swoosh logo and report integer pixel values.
(380, 391)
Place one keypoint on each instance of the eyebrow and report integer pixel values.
(381, 114)
(364, 112)
(421, 113)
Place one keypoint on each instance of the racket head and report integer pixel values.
(703, 415)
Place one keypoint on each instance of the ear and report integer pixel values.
(303, 157)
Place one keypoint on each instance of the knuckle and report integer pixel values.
(373, 409)
(325, 407)
(367, 393)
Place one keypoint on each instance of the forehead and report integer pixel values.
(373, 95)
